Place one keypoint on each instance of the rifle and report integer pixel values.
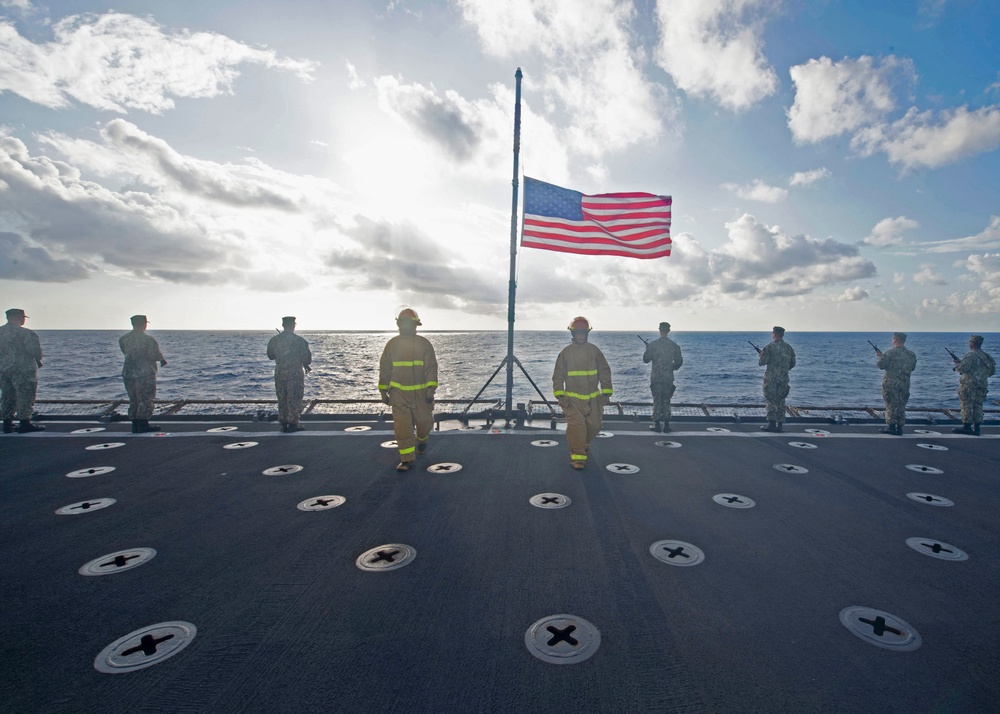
(953, 355)
(644, 340)
(754, 346)
(873, 346)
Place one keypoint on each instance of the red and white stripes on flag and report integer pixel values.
(635, 225)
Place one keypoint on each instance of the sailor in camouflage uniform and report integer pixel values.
(20, 358)
(292, 358)
(897, 363)
(779, 357)
(975, 367)
(666, 357)
(142, 353)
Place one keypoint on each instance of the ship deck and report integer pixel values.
(286, 620)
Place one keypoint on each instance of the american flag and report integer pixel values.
(635, 225)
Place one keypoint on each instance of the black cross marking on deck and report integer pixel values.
(547, 499)
(322, 502)
(545, 443)
(936, 548)
(119, 561)
(563, 635)
(443, 467)
(86, 505)
(879, 626)
(929, 498)
(925, 468)
(674, 552)
(147, 644)
(284, 469)
(733, 499)
(789, 467)
(91, 471)
(622, 467)
(388, 556)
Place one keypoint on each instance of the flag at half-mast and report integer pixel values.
(635, 225)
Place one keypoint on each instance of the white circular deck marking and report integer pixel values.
(791, 469)
(622, 468)
(544, 443)
(222, 429)
(562, 639)
(88, 430)
(818, 432)
(94, 504)
(550, 500)
(144, 648)
(880, 628)
(386, 557)
(389, 444)
(444, 468)
(734, 500)
(930, 499)
(360, 427)
(802, 445)
(93, 471)
(933, 447)
(676, 552)
(102, 447)
(718, 429)
(937, 549)
(668, 444)
(118, 561)
(924, 469)
(240, 445)
(321, 503)
(927, 432)
(285, 470)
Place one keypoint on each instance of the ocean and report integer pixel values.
(833, 368)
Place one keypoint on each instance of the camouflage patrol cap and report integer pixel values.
(779, 330)
(136, 319)
(287, 320)
(664, 327)
(899, 337)
(976, 340)
(15, 312)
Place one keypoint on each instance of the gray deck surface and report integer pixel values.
(287, 622)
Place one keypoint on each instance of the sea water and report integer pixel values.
(833, 368)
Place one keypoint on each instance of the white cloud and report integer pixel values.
(353, 80)
(758, 191)
(118, 62)
(589, 70)
(852, 295)
(921, 139)
(832, 98)
(889, 231)
(804, 178)
(927, 276)
(987, 239)
(898, 278)
(983, 301)
(714, 48)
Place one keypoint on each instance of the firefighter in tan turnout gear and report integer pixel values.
(407, 379)
(581, 383)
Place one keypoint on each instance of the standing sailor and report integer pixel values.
(407, 379)
(581, 383)
(976, 367)
(142, 353)
(20, 358)
(666, 357)
(292, 358)
(897, 363)
(779, 358)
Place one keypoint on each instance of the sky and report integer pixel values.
(833, 164)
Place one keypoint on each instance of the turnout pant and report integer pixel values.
(289, 393)
(18, 395)
(410, 412)
(583, 422)
(141, 393)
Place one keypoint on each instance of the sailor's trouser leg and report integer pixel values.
(972, 403)
(774, 395)
(423, 417)
(662, 392)
(577, 429)
(8, 400)
(141, 393)
(895, 409)
(289, 393)
(19, 391)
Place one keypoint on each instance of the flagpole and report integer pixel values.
(512, 285)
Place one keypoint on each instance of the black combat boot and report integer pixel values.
(899, 429)
(26, 427)
(779, 426)
(145, 426)
(8, 426)
(136, 429)
(887, 429)
(966, 428)
(770, 426)
(294, 426)
(975, 429)
(655, 426)
(666, 427)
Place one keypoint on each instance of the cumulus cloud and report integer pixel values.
(832, 98)
(449, 121)
(889, 231)
(714, 49)
(758, 191)
(927, 276)
(852, 295)
(118, 62)
(20, 260)
(987, 239)
(804, 178)
(590, 70)
(984, 300)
